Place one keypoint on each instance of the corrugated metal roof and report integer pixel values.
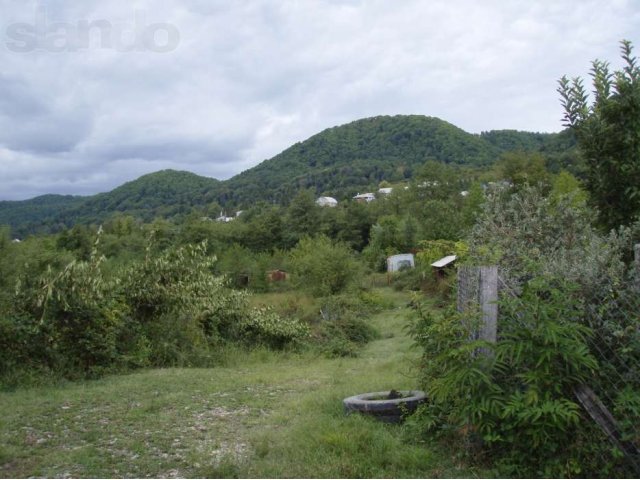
(443, 262)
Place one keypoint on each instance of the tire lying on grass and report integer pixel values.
(382, 406)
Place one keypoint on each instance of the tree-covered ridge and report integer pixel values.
(37, 214)
(161, 194)
(339, 161)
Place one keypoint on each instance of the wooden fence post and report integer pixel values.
(489, 303)
(478, 288)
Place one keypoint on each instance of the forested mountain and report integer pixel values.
(343, 159)
(337, 161)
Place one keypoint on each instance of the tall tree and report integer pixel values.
(608, 133)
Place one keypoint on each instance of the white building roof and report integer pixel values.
(365, 196)
(326, 201)
(443, 262)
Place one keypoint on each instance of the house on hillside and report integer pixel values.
(16, 240)
(364, 197)
(395, 263)
(385, 190)
(326, 202)
(224, 218)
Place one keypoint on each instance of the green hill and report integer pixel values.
(338, 161)
(343, 159)
(161, 194)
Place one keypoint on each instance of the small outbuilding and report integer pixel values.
(277, 276)
(441, 266)
(395, 263)
(364, 197)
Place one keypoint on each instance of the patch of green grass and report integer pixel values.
(262, 414)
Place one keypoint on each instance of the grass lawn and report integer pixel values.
(264, 415)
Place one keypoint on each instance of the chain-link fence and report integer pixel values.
(611, 397)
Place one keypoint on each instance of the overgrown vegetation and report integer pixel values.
(162, 284)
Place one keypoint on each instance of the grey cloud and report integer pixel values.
(178, 150)
(32, 123)
(16, 100)
(250, 78)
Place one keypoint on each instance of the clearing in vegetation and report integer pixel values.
(263, 414)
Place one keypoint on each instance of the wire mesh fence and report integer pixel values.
(611, 397)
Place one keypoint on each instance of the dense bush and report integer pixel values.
(343, 326)
(185, 310)
(527, 234)
(168, 309)
(323, 267)
(513, 400)
(568, 317)
(67, 318)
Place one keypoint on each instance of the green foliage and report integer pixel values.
(521, 169)
(527, 234)
(608, 133)
(513, 140)
(68, 317)
(432, 250)
(264, 326)
(185, 310)
(303, 218)
(343, 324)
(472, 205)
(564, 184)
(37, 215)
(515, 395)
(323, 267)
(167, 309)
(353, 157)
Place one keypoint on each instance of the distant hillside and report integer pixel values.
(40, 214)
(338, 161)
(161, 194)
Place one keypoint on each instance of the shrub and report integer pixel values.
(264, 326)
(343, 328)
(323, 267)
(527, 234)
(69, 319)
(184, 310)
(514, 399)
(409, 279)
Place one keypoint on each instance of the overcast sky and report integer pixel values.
(96, 93)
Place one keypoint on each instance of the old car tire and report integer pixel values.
(384, 409)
